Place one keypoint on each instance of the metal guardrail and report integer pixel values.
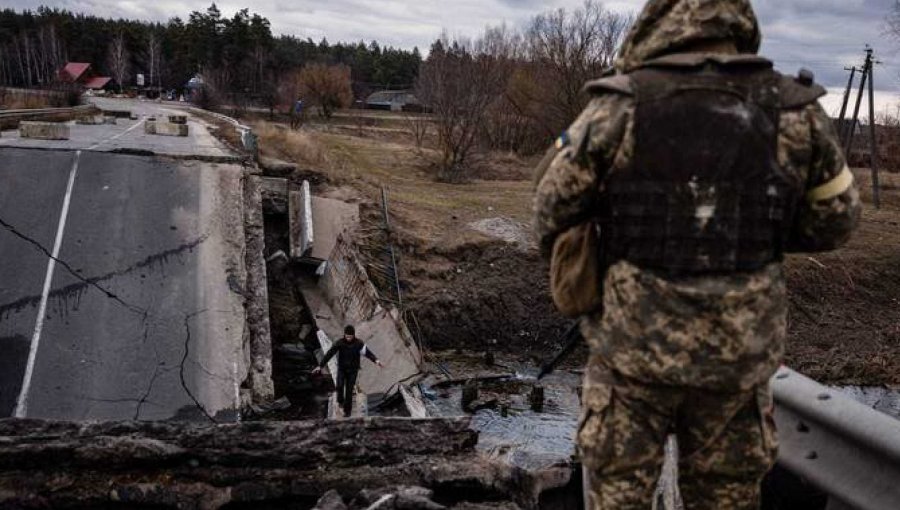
(39, 112)
(248, 137)
(9, 119)
(848, 450)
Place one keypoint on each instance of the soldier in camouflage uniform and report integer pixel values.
(702, 166)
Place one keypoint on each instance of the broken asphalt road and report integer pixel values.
(143, 315)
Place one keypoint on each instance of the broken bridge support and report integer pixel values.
(180, 465)
(258, 341)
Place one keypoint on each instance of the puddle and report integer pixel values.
(532, 440)
(524, 438)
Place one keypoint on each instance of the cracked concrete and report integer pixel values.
(146, 240)
(187, 351)
(84, 282)
(258, 353)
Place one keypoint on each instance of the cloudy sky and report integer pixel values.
(823, 35)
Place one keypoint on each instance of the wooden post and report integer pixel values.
(537, 398)
(843, 117)
(862, 90)
(469, 394)
(873, 143)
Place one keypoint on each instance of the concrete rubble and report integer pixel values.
(44, 130)
(345, 295)
(121, 114)
(277, 167)
(89, 120)
(187, 466)
(165, 128)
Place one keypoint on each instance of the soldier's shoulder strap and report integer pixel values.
(799, 91)
(616, 84)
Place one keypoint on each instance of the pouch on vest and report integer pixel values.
(576, 271)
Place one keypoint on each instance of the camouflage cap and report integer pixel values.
(667, 26)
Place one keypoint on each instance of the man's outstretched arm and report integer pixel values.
(328, 355)
(371, 355)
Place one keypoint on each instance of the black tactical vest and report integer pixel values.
(706, 193)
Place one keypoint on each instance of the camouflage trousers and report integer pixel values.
(727, 443)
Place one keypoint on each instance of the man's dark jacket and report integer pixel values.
(348, 354)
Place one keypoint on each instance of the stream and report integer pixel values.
(532, 440)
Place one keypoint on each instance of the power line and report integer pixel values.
(868, 77)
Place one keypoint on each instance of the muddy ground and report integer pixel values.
(474, 282)
(845, 305)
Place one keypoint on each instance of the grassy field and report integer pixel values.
(430, 211)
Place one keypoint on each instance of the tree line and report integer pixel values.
(238, 54)
(515, 90)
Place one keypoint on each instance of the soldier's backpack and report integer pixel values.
(576, 272)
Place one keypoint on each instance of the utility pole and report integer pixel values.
(862, 91)
(873, 143)
(841, 126)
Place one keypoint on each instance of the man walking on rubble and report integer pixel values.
(701, 166)
(349, 350)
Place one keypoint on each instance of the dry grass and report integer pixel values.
(890, 184)
(431, 211)
(367, 150)
(843, 327)
(15, 101)
(300, 147)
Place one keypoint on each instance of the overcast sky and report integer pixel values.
(823, 35)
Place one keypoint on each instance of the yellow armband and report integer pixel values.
(833, 188)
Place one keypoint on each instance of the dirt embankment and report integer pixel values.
(845, 305)
(484, 296)
(472, 282)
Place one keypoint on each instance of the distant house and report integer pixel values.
(393, 100)
(193, 87)
(82, 74)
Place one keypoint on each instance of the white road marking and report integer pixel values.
(22, 401)
(116, 137)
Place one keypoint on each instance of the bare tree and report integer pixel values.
(154, 53)
(892, 23)
(418, 126)
(458, 83)
(326, 86)
(118, 60)
(566, 50)
(515, 91)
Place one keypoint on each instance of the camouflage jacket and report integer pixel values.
(723, 332)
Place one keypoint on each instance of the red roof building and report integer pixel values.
(97, 82)
(82, 74)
